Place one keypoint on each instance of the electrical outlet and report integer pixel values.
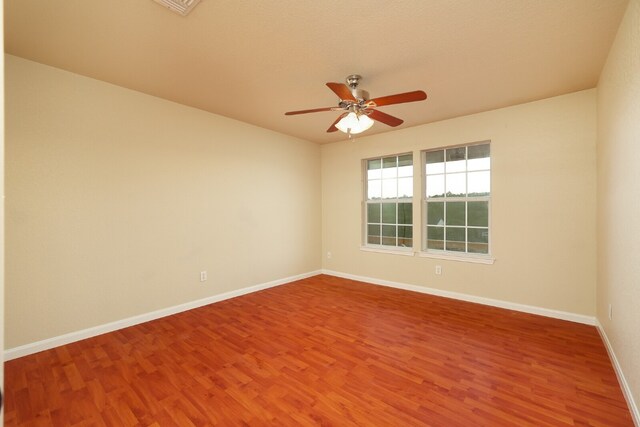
(203, 276)
(329, 255)
(610, 312)
(438, 270)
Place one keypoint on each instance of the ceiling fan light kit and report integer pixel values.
(358, 111)
(354, 123)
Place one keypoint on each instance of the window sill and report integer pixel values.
(405, 252)
(462, 258)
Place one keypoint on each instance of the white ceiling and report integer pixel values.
(253, 60)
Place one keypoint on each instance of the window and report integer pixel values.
(457, 199)
(389, 202)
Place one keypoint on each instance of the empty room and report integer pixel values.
(292, 213)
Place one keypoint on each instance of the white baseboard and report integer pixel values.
(49, 343)
(556, 314)
(626, 390)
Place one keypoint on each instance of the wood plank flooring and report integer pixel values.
(325, 351)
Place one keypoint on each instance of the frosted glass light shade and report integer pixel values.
(353, 123)
(365, 122)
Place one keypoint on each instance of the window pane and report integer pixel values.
(405, 160)
(435, 213)
(479, 164)
(455, 239)
(389, 213)
(478, 214)
(455, 213)
(455, 234)
(435, 238)
(479, 157)
(373, 234)
(374, 189)
(405, 231)
(405, 171)
(389, 188)
(405, 165)
(434, 162)
(389, 165)
(390, 162)
(478, 240)
(479, 151)
(479, 235)
(456, 159)
(405, 236)
(454, 246)
(405, 213)
(479, 183)
(456, 185)
(389, 235)
(435, 186)
(373, 212)
(405, 187)
(374, 169)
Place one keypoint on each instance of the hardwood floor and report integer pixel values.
(325, 351)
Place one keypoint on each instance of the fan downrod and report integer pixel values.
(353, 80)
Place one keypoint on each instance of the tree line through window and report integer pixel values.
(455, 200)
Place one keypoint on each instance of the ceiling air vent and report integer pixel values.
(183, 7)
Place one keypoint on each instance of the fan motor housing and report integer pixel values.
(352, 81)
(360, 94)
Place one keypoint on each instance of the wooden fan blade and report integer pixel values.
(314, 110)
(416, 95)
(342, 90)
(384, 118)
(333, 127)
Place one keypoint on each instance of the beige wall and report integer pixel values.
(117, 200)
(618, 202)
(543, 205)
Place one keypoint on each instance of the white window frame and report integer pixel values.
(393, 249)
(442, 253)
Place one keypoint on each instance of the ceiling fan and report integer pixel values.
(358, 111)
